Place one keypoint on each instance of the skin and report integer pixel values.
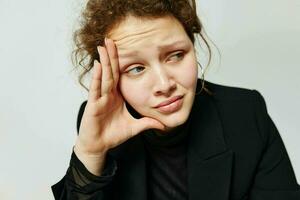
(152, 75)
(143, 80)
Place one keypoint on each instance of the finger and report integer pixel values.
(147, 123)
(107, 78)
(114, 59)
(95, 86)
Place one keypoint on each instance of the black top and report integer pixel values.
(166, 164)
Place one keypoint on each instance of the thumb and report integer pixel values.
(148, 123)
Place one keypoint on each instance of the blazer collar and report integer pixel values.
(209, 161)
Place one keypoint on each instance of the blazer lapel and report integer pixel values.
(209, 161)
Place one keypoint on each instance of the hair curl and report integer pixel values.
(100, 16)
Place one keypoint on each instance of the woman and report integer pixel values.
(151, 129)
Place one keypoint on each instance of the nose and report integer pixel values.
(164, 84)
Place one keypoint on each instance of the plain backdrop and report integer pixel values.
(40, 97)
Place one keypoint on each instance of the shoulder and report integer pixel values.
(241, 99)
(223, 92)
(244, 116)
(237, 100)
(241, 110)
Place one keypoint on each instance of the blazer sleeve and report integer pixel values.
(79, 183)
(275, 178)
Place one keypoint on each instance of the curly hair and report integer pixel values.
(99, 17)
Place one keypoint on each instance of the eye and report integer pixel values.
(177, 56)
(135, 70)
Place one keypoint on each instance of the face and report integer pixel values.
(157, 66)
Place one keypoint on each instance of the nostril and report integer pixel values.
(166, 89)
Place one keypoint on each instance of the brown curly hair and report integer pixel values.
(100, 16)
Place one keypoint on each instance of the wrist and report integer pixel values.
(91, 150)
(94, 163)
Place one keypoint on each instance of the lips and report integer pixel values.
(169, 101)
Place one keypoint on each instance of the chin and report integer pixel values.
(177, 118)
(173, 120)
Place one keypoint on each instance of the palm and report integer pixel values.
(106, 121)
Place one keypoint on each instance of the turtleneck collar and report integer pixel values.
(170, 138)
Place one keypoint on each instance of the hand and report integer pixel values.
(106, 122)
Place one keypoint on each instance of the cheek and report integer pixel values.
(133, 94)
(189, 73)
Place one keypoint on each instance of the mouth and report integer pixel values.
(171, 105)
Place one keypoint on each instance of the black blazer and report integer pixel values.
(234, 153)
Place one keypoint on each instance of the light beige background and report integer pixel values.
(39, 99)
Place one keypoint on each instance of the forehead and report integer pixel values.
(137, 32)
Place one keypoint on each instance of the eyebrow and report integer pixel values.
(168, 46)
(160, 47)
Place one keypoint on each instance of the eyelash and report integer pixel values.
(179, 53)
